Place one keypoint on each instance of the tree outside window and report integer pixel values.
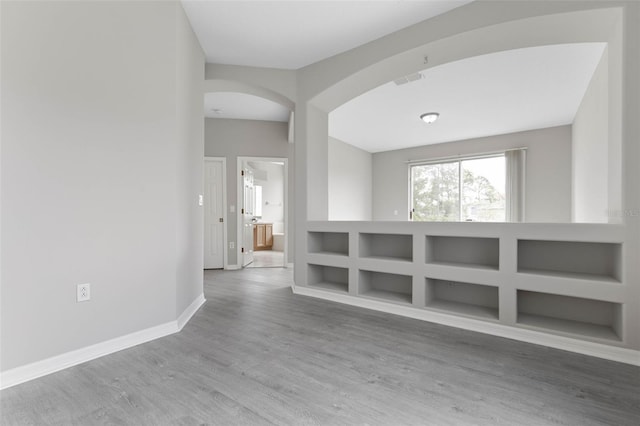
(461, 190)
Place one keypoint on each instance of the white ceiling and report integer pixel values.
(243, 106)
(487, 95)
(492, 94)
(292, 34)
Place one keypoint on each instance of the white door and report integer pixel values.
(213, 215)
(247, 217)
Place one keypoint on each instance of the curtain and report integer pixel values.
(515, 160)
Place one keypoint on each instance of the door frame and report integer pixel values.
(223, 160)
(285, 160)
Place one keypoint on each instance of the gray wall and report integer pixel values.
(590, 134)
(598, 142)
(279, 82)
(188, 152)
(103, 190)
(548, 172)
(350, 182)
(248, 138)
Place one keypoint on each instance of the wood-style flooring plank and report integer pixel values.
(255, 354)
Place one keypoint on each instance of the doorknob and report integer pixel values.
(221, 220)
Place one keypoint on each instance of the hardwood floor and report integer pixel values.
(257, 354)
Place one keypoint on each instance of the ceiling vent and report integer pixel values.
(407, 79)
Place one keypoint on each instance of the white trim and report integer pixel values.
(41, 368)
(232, 267)
(613, 353)
(47, 366)
(239, 219)
(285, 206)
(291, 129)
(285, 212)
(186, 315)
(225, 243)
(290, 265)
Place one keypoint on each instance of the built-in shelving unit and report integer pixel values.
(571, 259)
(386, 246)
(389, 287)
(328, 277)
(568, 314)
(565, 282)
(479, 301)
(335, 243)
(474, 252)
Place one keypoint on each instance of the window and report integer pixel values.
(471, 189)
(257, 200)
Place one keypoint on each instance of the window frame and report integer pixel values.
(449, 160)
(257, 200)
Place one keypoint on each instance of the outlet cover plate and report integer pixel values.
(83, 292)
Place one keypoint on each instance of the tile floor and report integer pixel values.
(267, 259)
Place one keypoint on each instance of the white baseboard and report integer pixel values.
(232, 267)
(56, 363)
(184, 318)
(599, 350)
(290, 265)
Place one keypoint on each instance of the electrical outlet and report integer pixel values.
(232, 245)
(83, 292)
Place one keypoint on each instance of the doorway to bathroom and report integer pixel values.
(262, 213)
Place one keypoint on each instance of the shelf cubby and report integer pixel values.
(571, 259)
(385, 286)
(477, 252)
(328, 278)
(475, 300)
(386, 246)
(336, 243)
(567, 314)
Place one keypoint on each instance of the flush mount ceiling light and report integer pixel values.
(429, 117)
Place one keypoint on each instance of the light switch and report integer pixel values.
(200, 200)
(232, 208)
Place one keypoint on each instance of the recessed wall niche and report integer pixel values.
(477, 252)
(583, 260)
